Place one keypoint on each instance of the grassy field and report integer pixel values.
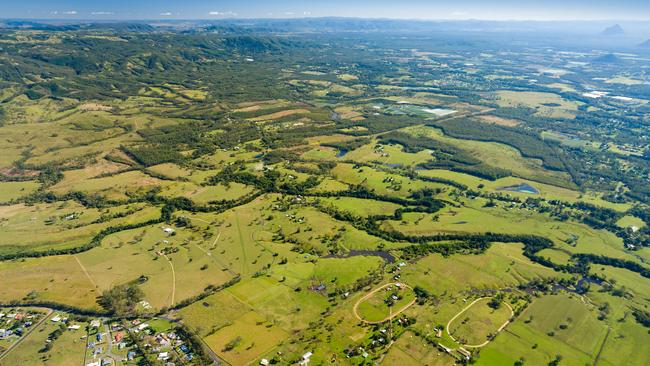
(551, 325)
(61, 225)
(205, 194)
(499, 156)
(361, 207)
(546, 191)
(14, 190)
(502, 265)
(547, 104)
(245, 339)
(382, 182)
(383, 303)
(473, 217)
(478, 323)
(410, 349)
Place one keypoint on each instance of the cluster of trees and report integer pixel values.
(529, 144)
(444, 155)
(154, 155)
(121, 300)
(347, 145)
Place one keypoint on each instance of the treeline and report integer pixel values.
(94, 242)
(530, 145)
(349, 145)
(154, 155)
(381, 123)
(445, 156)
(614, 262)
(269, 181)
(55, 306)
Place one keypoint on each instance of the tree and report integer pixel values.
(121, 300)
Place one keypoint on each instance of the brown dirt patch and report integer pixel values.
(499, 121)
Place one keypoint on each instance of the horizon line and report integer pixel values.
(328, 17)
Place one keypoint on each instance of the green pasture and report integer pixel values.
(479, 322)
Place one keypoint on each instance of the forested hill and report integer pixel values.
(112, 60)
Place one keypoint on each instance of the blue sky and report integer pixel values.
(408, 9)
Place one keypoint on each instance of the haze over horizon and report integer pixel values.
(625, 10)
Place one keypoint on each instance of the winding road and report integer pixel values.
(512, 313)
(389, 317)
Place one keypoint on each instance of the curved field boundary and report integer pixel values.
(392, 315)
(512, 313)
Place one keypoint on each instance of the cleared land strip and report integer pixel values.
(85, 271)
(173, 279)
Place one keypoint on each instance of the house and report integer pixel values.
(306, 356)
(465, 353)
(130, 356)
(168, 230)
(448, 350)
(94, 364)
(56, 319)
(163, 356)
(3, 333)
(95, 323)
(100, 337)
(265, 362)
(107, 361)
(119, 336)
(74, 327)
(143, 326)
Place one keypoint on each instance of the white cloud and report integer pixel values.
(459, 13)
(102, 13)
(166, 14)
(67, 12)
(223, 13)
(306, 13)
(289, 13)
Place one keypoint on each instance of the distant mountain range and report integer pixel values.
(614, 30)
(609, 58)
(645, 44)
